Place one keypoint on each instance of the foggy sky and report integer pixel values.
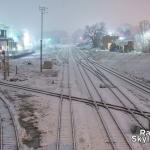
(72, 14)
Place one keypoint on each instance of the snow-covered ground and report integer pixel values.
(28, 72)
(38, 114)
(134, 64)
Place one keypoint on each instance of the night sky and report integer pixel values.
(72, 14)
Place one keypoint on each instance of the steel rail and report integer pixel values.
(109, 105)
(70, 110)
(71, 107)
(18, 144)
(137, 84)
(129, 109)
(60, 109)
(60, 114)
(98, 72)
(30, 89)
(126, 139)
(116, 122)
(101, 119)
(1, 134)
(83, 100)
(134, 105)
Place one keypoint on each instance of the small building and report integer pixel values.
(3, 39)
(108, 40)
(125, 45)
(6, 42)
(129, 46)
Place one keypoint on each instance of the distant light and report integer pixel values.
(121, 38)
(109, 45)
(27, 40)
(13, 34)
(19, 47)
(3, 47)
(50, 39)
(111, 32)
(81, 38)
(47, 41)
(147, 35)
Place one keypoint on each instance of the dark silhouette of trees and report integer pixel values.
(94, 33)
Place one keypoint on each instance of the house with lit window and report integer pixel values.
(5, 42)
(3, 39)
(108, 40)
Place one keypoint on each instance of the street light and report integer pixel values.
(42, 11)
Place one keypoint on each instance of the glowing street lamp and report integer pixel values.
(121, 38)
(27, 40)
(147, 35)
(81, 38)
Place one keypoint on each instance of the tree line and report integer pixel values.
(94, 33)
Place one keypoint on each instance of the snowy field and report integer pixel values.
(32, 109)
(37, 114)
(134, 64)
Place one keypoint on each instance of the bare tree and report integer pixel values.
(126, 30)
(144, 26)
(95, 33)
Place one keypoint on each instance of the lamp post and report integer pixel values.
(42, 11)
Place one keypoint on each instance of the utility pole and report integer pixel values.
(8, 67)
(4, 64)
(42, 11)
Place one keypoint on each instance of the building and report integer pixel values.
(125, 45)
(5, 42)
(108, 40)
(129, 46)
(3, 39)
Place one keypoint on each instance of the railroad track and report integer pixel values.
(101, 76)
(124, 105)
(78, 99)
(116, 136)
(85, 68)
(137, 84)
(71, 106)
(9, 139)
(66, 127)
(66, 134)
